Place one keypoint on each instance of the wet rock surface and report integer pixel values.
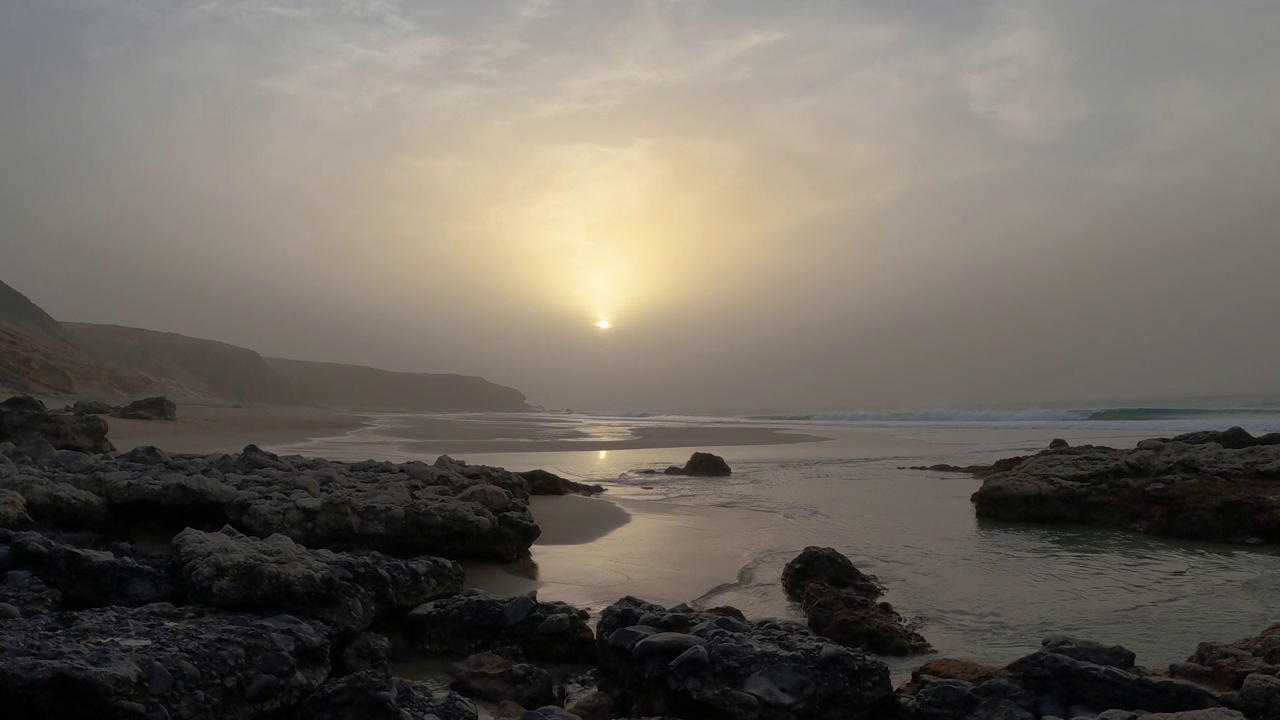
(1218, 486)
(349, 592)
(518, 628)
(89, 577)
(655, 661)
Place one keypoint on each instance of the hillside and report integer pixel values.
(24, 316)
(354, 386)
(208, 368)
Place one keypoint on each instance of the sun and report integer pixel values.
(604, 324)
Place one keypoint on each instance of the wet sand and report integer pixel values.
(667, 553)
(200, 429)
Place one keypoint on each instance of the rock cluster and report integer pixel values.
(445, 510)
(1072, 678)
(519, 628)
(1218, 486)
(25, 420)
(655, 661)
(841, 604)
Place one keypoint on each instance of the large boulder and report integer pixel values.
(840, 603)
(348, 592)
(826, 567)
(375, 695)
(13, 510)
(1193, 487)
(703, 464)
(1105, 687)
(655, 661)
(89, 407)
(90, 577)
(158, 662)
(24, 418)
(155, 408)
(519, 628)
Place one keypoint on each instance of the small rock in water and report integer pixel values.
(703, 464)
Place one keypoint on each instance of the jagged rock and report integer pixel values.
(1228, 664)
(1191, 487)
(826, 567)
(155, 408)
(23, 419)
(486, 676)
(520, 628)
(25, 593)
(542, 482)
(348, 592)
(703, 464)
(13, 511)
(375, 695)
(656, 661)
(89, 578)
(840, 604)
(157, 662)
(90, 407)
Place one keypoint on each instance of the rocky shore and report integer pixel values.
(1217, 486)
(250, 586)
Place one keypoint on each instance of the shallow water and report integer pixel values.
(981, 590)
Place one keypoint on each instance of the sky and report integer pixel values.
(808, 206)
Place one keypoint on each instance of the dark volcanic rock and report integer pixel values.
(23, 419)
(840, 604)
(855, 621)
(489, 677)
(13, 510)
(156, 408)
(542, 482)
(27, 594)
(1191, 487)
(366, 651)
(703, 465)
(1228, 664)
(655, 661)
(407, 510)
(89, 407)
(157, 662)
(826, 567)
(1103, 687)
(88, 577)
(520, 628)
(348, 592)
(375, 695)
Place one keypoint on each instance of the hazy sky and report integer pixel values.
(781, 205)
